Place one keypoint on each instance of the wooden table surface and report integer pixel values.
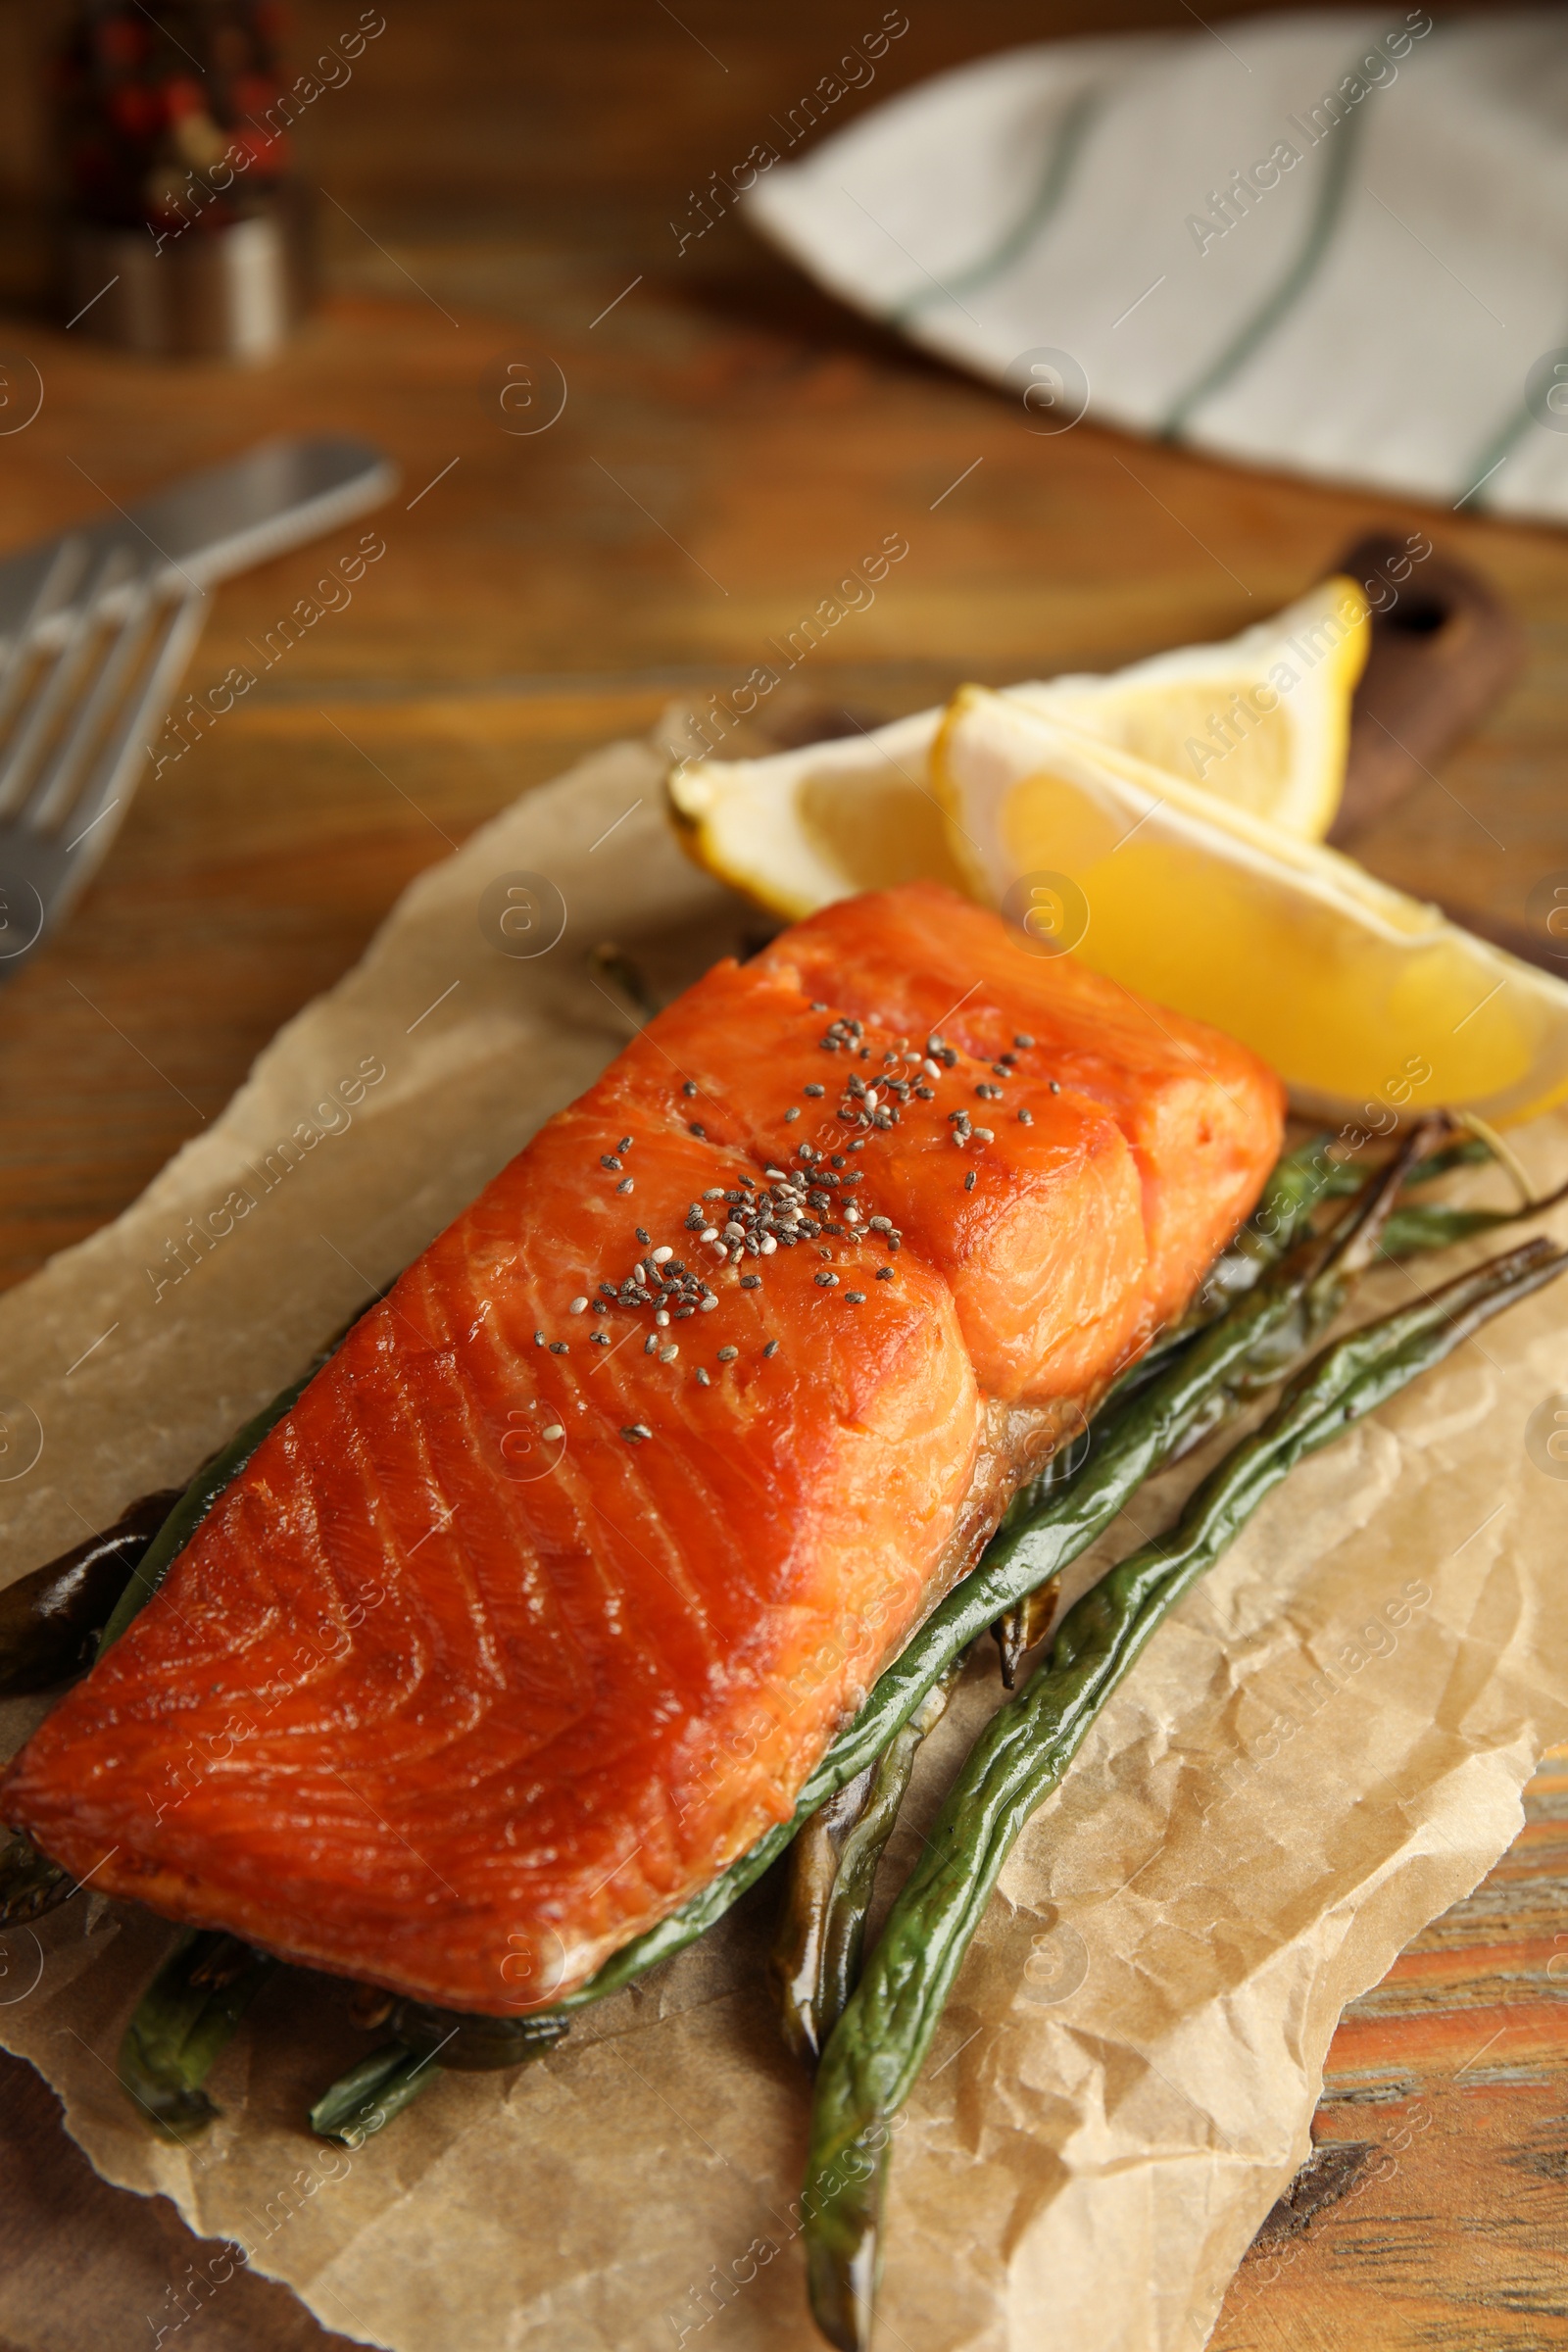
(731, 443)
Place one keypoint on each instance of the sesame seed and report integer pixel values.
(1026, 1118)
(703, 1381)
(968, 1182)
(667, 1355)
(1023, 1040)
(635, 1435)
(771, 1348)
(578, 1306)
(559, 1348)
(662, 1255)
(551, 1434)
(854, 1298)
(727, 1356)
(625, 1185)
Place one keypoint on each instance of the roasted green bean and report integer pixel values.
(816, 1958)
(881, 2040)
(183, 2021)
(812, 1869)
(430, 2042)
(371, 2093)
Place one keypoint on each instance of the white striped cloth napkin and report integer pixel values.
(1336, 244)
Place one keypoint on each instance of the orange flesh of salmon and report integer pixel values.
(438, 1699)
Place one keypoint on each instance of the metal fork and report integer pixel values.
(96, 658)
(95, 631)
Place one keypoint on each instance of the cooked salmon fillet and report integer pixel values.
(540, 1604)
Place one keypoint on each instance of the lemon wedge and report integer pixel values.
(798, 829)
(1365, 1001)
(1263, 721)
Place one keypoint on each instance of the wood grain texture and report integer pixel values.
(1441, 2157)
(732, 441)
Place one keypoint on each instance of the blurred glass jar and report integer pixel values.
(183, 228)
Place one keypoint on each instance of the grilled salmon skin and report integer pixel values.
(538, 1608)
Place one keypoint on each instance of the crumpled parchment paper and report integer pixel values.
(1321, 1751)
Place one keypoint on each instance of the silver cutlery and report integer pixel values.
(96, 628)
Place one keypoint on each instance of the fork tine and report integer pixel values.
(55, 685)
(54, 590)
(51, 792)
(108, 786)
